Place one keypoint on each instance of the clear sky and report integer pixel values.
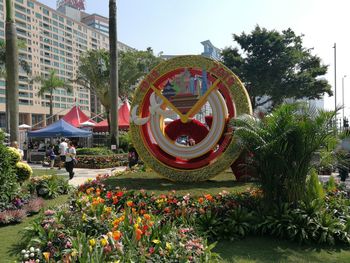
(178, 26)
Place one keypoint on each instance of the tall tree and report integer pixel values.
(133, 65)
(94, 72)
(275, 66)
(113, 53)
(12, 70)
(48, 85)
(3, 74)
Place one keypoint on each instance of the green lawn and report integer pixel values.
(264, 249)
(10, 235)
(152, 182)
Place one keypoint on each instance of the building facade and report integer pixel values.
(54, 41)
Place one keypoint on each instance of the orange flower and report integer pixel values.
(129, 203)
(167, 210)
(138, 234)
(47, 256)
(147, 216)
(208, 197)
(200, 200)
(117, 235)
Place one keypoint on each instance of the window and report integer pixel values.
(38, 15)
(46, 12)
(30, 4)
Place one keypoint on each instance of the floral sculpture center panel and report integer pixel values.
(180, 118)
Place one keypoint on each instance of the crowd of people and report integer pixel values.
(64, 148)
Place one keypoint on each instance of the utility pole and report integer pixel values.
(335, 83)
(342, 86)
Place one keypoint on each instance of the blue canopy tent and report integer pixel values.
(59, 129)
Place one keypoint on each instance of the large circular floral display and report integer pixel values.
(180, 118)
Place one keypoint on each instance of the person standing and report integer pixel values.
(62, 150)
(70, 157)
(25, 151)
(52, 156)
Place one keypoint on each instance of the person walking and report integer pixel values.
(52, 156)
(70, 157)
(62, 150)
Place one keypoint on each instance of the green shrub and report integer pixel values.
(14, 155)
(94, 151)
(314, 188)
(48, 186)
(331, 185)
(124, 142)
(23, 172)
(8, 181)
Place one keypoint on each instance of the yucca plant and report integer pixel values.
(283, 144)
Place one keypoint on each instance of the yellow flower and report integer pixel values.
(156, 241)
(136, 226)
(74, 253)
(47, 256)
(104, 242)
(168, 246)
(92, 242)
(138, 220)
(84, 217)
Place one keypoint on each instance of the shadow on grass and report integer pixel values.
(150, 181)
(266, 249)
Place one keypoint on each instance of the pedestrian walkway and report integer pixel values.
(81, 175)
(325, 178)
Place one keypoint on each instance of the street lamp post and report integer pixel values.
(335, 83)
(342, 86)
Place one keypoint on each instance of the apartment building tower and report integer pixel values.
(54, 39)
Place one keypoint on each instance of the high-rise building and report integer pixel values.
(54, 41)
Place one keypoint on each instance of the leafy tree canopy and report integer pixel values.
(275, 66)
(94, 68)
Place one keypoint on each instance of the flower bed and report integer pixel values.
(103, 224)
(103, 161)
(20, 209)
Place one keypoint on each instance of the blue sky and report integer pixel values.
(178, 26)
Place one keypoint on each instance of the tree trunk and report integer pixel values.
(12, 71)
(113, 72)
(51, 107)
(108, 121)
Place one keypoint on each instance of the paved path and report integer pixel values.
(81, 174)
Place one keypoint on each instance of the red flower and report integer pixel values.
(109, 195)
(119, 194)
(151, 250)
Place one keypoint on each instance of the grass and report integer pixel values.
(266, 250)
(152, 182)
(10, 235)
(248, 250)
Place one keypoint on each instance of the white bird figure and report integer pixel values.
(136, 119)
(156, 107)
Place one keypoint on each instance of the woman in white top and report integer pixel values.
(70, 156)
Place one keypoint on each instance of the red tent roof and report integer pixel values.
(76, 117)
(123, 119)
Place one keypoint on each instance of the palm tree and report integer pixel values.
(283, 144)
(49, 84)
(113, 71)
(12, 71)
(3, 74)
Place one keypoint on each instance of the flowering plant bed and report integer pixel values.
(103, 161)
(103, 223)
